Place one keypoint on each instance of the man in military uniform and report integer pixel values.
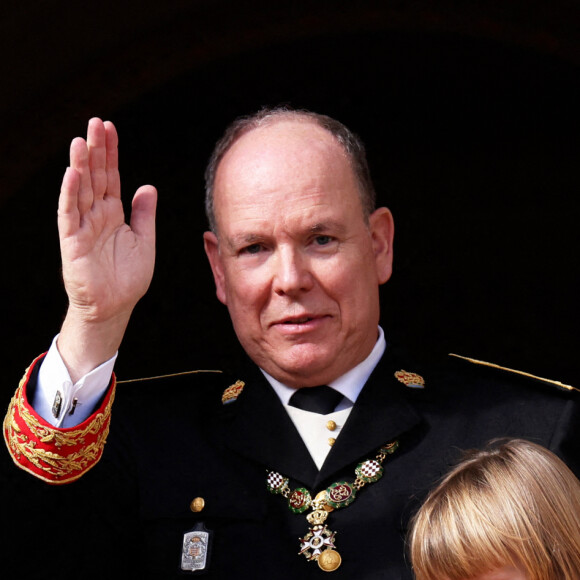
(311, 457)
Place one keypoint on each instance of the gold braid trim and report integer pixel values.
(54, 455)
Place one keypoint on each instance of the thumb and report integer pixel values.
(143, 212)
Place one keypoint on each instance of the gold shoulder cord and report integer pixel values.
(167, 376)
(487, 364)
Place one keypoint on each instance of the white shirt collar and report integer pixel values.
(350, 384)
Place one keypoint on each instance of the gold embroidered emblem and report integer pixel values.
(233, 392)
(410, 379)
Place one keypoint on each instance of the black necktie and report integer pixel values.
(321, 399)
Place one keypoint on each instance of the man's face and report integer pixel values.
(295, 262)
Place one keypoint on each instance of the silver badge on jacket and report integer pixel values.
(195, 550)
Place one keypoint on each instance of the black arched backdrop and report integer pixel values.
(471, 122)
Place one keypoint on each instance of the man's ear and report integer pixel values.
(212, 250)
(382, 229)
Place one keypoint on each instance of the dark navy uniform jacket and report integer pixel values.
(173, 440)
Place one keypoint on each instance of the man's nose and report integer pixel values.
(292, 273)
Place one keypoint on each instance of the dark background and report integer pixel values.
(469, 111)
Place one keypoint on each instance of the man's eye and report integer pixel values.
(323, 240)
(253, 249)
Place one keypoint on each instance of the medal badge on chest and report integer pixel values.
(318, 544)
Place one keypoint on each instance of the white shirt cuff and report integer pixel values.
(78, 401)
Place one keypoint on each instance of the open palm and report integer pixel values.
(107, 264)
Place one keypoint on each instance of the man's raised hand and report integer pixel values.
(107, 264)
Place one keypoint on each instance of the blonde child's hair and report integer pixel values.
(514, 503)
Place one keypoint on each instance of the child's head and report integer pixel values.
(513, 507)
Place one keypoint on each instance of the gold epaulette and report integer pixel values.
(54, 455)
(522, 373)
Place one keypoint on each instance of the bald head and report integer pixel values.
(348, 141)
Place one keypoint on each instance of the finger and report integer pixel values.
(112, 160)
(68, 213)
(79, 161)
(96, 142)
(143, 212)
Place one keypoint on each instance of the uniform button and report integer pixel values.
(331, 441)
(331, 425)
(197, 504)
